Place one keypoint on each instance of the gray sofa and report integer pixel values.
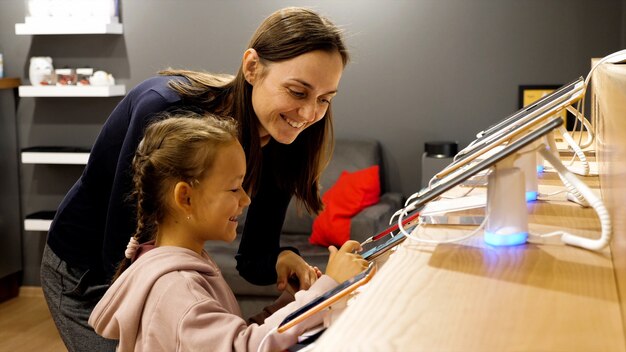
(349, 155)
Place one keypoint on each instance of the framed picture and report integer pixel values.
(528, 94)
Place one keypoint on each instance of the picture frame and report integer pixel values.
(529, 93)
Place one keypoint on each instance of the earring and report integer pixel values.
(188, 217)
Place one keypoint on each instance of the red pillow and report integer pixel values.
(352, 192)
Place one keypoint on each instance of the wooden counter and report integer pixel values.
(609, 87)
(469, 296)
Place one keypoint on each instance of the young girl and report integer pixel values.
(188, 175)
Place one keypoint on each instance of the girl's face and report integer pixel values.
(289, 96)
(219, 199)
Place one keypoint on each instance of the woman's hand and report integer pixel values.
(294, 274)
(344, 263)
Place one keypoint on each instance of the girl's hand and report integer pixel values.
(344, 263)
(294, 274)
(317, 270)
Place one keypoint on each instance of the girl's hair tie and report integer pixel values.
(131, 248)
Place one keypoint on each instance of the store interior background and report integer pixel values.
(421, 70)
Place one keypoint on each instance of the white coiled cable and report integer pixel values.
(576, 185)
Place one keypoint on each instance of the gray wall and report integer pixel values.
(623, 24)
(421, 70)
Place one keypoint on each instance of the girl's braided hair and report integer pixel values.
(179, 146)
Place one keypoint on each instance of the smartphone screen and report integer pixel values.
(326, 299)
(386, 245)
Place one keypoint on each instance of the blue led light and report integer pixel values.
(530, 196)
(540, 169)
(505, 240)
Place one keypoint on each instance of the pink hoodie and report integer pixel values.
(173, 299)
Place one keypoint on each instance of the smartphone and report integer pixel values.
(387, 239)
(520, 123)
(524, 136)
(327, 298)
(388, 243)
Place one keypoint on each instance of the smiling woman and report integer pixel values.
(281, 98)
(291, 96)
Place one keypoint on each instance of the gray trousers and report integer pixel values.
(71, 297)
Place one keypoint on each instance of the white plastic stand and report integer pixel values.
(507, 217)
(527, 163)
(540, 167)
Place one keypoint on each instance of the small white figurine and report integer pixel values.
(41, 70)
(101, 78)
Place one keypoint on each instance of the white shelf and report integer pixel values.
(68, 28)
(72, 91)
(55, 158)
(37, 224)
(39, 221)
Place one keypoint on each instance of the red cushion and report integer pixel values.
(352, 192)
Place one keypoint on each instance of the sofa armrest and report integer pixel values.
(375, 218)
(394, 199)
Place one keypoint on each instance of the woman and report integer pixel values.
(281, 99)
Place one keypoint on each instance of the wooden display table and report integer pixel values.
(469, 296)
(540, 296)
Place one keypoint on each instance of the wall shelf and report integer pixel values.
(104, 28)
(55, 155)
(39, 221)
(72, 91)
(8, 83)
(68, 28)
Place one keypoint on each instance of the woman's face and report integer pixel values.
(289, 96)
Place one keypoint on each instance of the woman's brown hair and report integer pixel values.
(285, 34)
(179, 146)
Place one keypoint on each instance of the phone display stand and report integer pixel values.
(527, 163)
(507, 218)
(540, 166)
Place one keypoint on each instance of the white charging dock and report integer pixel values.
(527, 162)
(507, 216)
